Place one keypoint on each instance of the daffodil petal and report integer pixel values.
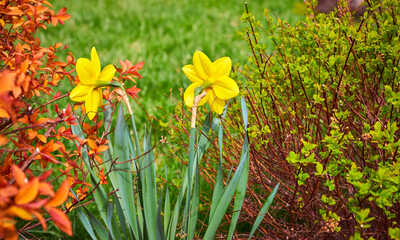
(221, 67)
(95, 61)
(86, 71)
(217, 105)
(202, 64)
(79, 93)
(188, 96)
(107, 74)
(191, 73)
(93, 101)
(225, 88)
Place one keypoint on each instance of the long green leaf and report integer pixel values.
(244, 113)
(160, 230)
(226, 198)
(242, 186)
(98, 227)
(219, 184)
(86, 223)
(121, 217)
(186, 213)
(264, 210)
(167, 203)
(203, 145)
(239, 198)
(194, 210)
(149, 190)
(111, 221)
(123, 172)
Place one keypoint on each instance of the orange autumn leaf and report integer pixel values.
(61, 220)
(35, 204)
(28, 192)
(9, 231)
(24, 119)
(18, 22)
(9, 191)
(14, 11)
(102, 148)
(4, 113)
(3, 140)
(5, 166)
(98, 159)
(42, 120)
(32, 134)
(41, 219)
(61, 195)
(20, 212)
(60, 17)
(44, 153)
(42, 138)
(92, 144)
(133, 91)
(19, 176)
(46, 189)
(41, 9)
(7, 81)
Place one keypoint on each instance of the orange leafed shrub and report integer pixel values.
(33, 134)
(28, 132)
(27, 198)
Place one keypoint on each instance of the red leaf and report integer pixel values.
(28, 192)
(61, 220)
(133, 91)
(19, 176)
(61, 195)
(3, 140)
(46, 189)
(20, 212)
(137, 66)
(41, 219)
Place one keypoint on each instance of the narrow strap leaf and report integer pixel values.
(226, 198)
(264, 210)
(98, 227)
(239, 197)
(112, 222)
(219, 184)
(86, 223)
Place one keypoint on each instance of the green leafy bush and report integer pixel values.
(323, 111)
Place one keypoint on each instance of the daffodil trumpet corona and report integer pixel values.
(213, 79)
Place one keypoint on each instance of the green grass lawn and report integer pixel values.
(163, 33)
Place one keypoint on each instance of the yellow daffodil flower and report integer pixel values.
(92, 80)
(213, 78)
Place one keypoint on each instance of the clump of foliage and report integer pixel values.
(325, 106)
(35, 124)
(29, 133)
(323, 100)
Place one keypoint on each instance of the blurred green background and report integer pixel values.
(162, 33)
